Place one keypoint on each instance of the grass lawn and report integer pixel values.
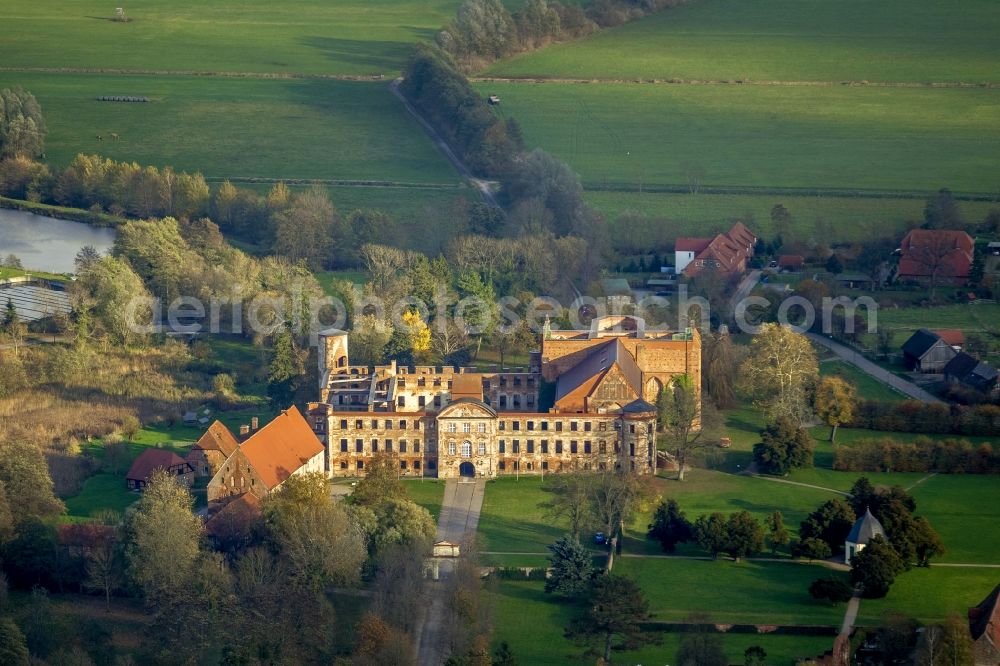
(765, 136)
(428, 493)
(100, 492)
(795, 40)
(965, 510)
(511, 520)
(533, 624)
(931, 594)
(239, 127)
(6, 273)
(966, 317)
(347, 37)
(867, 387)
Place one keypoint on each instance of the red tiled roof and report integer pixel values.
(281, 447)
(951, 336)
(984, 619)
(150, 460)
(238, 514)
(946, 253)
(219, 438)
(695, 245)
(729, 250)
(742, 235)
(787, 260)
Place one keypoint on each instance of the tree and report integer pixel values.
(13, 646)
(875, 568)
(616, 608)
(670, 526)
(503, 655)
(835, 403)
(863, 496)
(949, 644)
(380, 483)
(572, 570)
(745, 535)
(314, 535)
(755, 655)
(30, 557)
(115, 296)
(571, 495)
(813, 549)
(303, 232)
(833, 264)
(701, 647)
(784, 446)
(369, 338)
(163, 538)
(941, 212)
(777, 535)
(26, 482)
(711, 533)
(834, 590)
(679, 411)
(285, 370)
(13, 328)
(402, 522)
(779, 372)
(22, 127)
(615, 497)
(830, 523)
(719, 361)
(105, 565)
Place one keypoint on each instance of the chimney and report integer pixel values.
(254, 423)
(244, 430)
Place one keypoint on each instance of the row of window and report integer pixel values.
(386, 424)
(574, 426)
(359, 446)
(360, 464)
(467, 449)
(530, 466)
(515, 447)
(437, 382)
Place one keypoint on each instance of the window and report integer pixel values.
(602, 426)
(482, 427)
(631, 428)
(603, 447)
(574, 426)
(466, 449)
(516, 446)
(359, 446)
(388, 445)
(482, 448)
(503, 446)
(421, 401)
(374, 424)
(343, 464)
(343, 446)
(531, 446)
(451, 448)
(361, 464)
(503, 402)
(545, 425)
(573, 446)
(402, 424)
(587, 426)
(374, 446)
(530, 399)
(517, 400)
(402, 464)
(559, 449)
(416, 447)
(545, 465)
(531, 425)
(402, 446)
(416, 464)
(502, 465)
(401, 401)
(388, 424)
(515, 425)
(586, 446)
(359, 424)
(501, 426)
(545, 446)
(421, 382)
(486, 384)
(466, 427)
(559, 426)
(343, 424)
(451, 427)
(631, 449)
(517, 465)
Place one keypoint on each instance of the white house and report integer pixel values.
(865, 529)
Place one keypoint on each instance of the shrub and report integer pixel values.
(833, 590)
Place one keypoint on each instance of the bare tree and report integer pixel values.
(571, 495)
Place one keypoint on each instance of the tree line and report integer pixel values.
(22, 127)
(484, 31)
(949, 456)
(255, 590)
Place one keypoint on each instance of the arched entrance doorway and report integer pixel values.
(467, 469)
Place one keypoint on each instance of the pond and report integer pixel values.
(47, 244)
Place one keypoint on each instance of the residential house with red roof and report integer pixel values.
(285, 446)
(936, 256)
(727, 252)
(212, 449)
(984, 625)
(151, 460)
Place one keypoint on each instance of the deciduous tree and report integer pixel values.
(745, 535)
(835, 403)
(875, 568)
(711, 533)
(571, 500)
(779, 372)
(784, 446)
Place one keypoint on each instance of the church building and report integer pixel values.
(585, 402)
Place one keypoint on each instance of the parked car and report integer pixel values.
(599, 539)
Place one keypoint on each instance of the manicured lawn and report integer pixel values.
(931, 594)
(428, 493)
(766, 136)
(511, 520)
(533, 625)
(917, 41)
(228, 128)
(965, 510)
(17, 272)
(347, 37)
(867, 388)
(100, 492)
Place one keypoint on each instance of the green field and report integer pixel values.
(533, 625)
(239, 127)
(867, 387)
(931, 594)
(763, 136)
(853, 218)
(792, 40)
(428, 493)
(353, 37)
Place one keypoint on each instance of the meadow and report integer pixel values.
(792, 40)
(855, 138)
(238, 128)
(352, 37)
(853, 218)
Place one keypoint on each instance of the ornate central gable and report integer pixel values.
(467, 408)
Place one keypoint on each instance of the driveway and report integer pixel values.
(851, 356)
